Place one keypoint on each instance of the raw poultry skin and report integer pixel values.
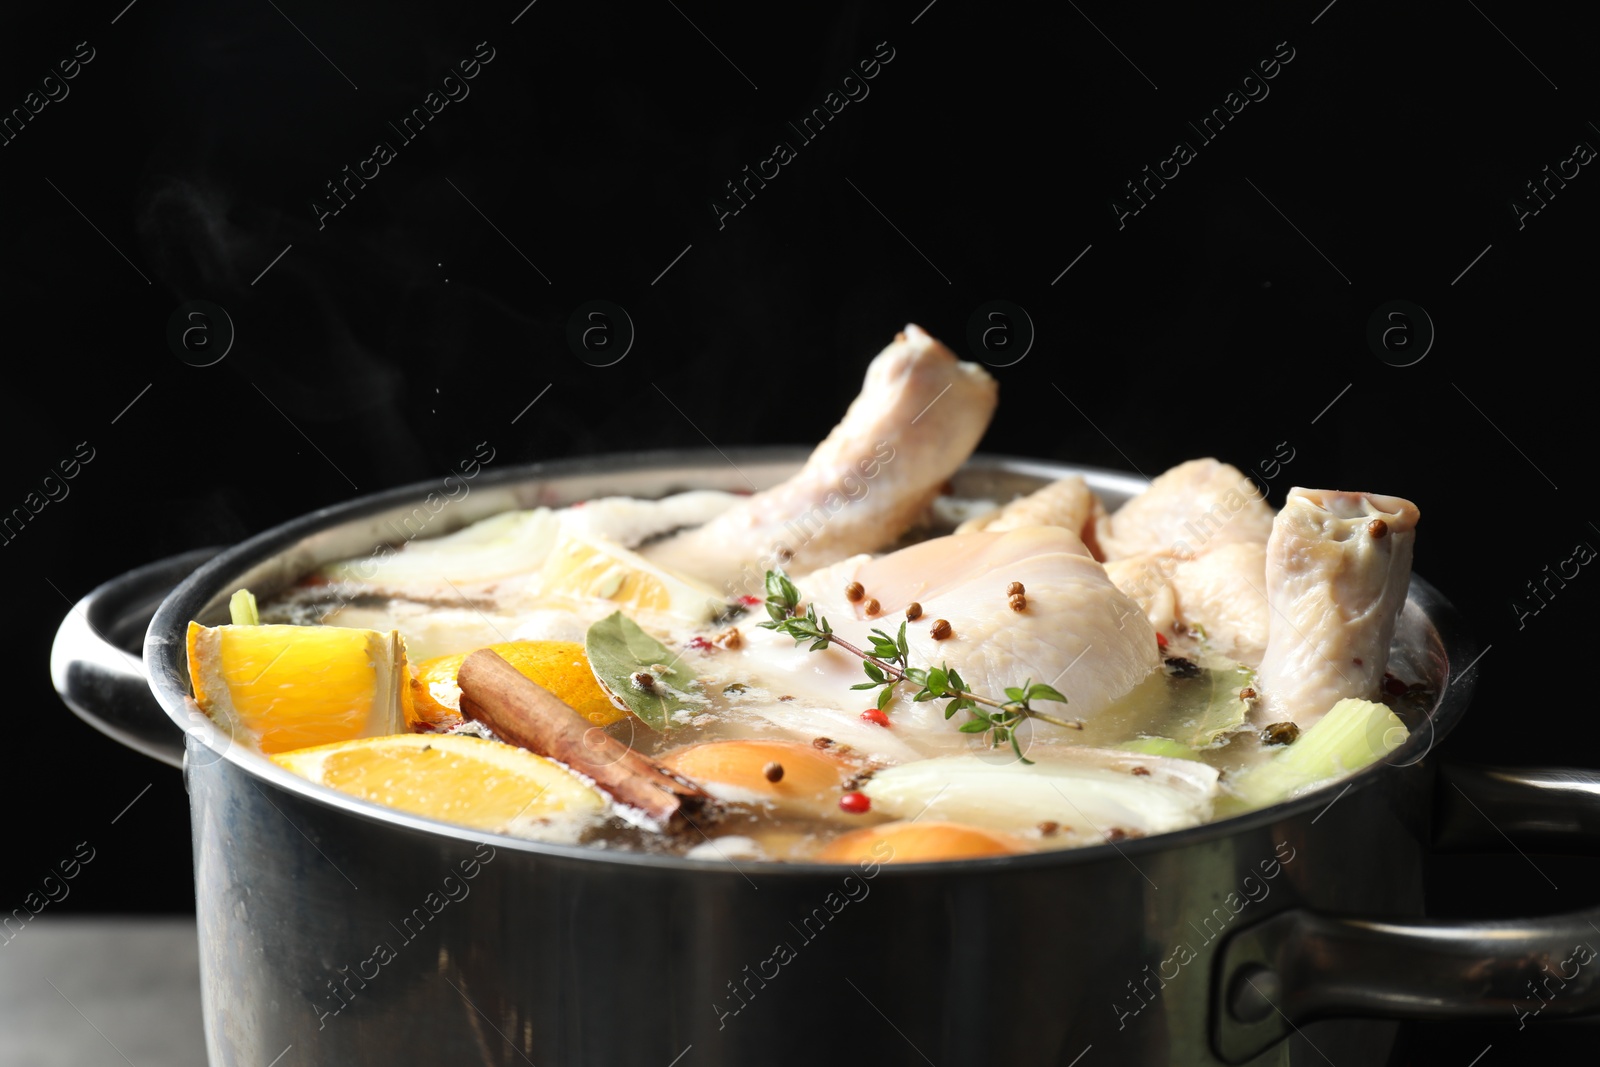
(1194, 506)
(1338, 567)
(1067, 502)
(920, 413)
(1078, 632)
(1223, 591)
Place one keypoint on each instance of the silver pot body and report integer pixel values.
(338, 932)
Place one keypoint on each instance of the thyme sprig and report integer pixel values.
(889, 664)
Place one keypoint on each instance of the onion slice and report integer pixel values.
(1089, 794)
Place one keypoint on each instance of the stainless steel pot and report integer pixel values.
(334, 931)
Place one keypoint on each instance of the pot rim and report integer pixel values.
(165, 664)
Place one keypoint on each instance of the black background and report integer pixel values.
(1223, 319)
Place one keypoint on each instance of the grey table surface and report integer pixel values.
(101, 991)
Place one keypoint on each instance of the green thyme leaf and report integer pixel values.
(886, 697)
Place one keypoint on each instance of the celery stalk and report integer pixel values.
(1160, 746)
(1351, 735)
(242, 608)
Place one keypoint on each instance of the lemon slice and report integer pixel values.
(471, 781)
(288, 687)
(584, 565)
(559, 666)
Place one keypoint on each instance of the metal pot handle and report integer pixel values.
(99, 678)
(1299, 965)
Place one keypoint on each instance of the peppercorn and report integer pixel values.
(1280, 733)
(854, 592)
(1377, 528)
(941, 629)
(1049, 827)
(859, 779)
(773, 772)
(1247, 693)
(1179, 667)
(1142, 772)
(855, 803)
(913, 611)
(822, 742)
(1014, 589)
(644, 680)
(871, 607)
(1017, 601)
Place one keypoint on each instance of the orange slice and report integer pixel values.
(287, 687)
(471, 781)
(811, 781)
(918, 842)
(559, 666)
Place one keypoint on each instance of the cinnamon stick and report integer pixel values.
(524, 713)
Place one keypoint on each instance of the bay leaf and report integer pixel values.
(619, 651)
(1216, 709)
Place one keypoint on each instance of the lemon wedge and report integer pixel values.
(583, 565)
(471, 781)
(288, 687)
